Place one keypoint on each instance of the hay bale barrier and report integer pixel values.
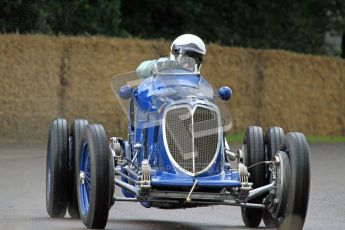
(43, 77)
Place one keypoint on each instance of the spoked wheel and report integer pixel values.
(95, 179)
(85, 177)
(254, 153)
(57, 168)
(274, 138)
(77, 129)
(290, 213)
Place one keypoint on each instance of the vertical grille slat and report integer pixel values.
(184, 128)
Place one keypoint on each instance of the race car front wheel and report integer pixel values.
(95, 179)
(57, 168)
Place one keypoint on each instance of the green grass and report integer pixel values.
(235, 138)
(326, 139)
(238, 138)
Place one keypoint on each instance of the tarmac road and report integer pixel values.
(22, 197)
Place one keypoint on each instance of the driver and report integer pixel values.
(185, 45)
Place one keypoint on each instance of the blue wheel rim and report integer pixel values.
(85, 184)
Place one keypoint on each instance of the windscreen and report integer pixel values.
(176, 81)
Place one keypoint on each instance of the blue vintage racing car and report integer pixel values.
(176, 155)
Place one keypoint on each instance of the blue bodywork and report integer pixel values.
(149, 101)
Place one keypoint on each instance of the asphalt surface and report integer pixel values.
(22, 197)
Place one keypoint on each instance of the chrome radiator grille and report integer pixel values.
(192, 137)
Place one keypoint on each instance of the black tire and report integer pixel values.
(99, 177)
(76, 130)
(297, 148)
(254, 153)
(57, 168)
(274, 139)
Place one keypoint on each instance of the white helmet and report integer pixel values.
(188, 45)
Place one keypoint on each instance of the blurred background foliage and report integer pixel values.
(294, 25)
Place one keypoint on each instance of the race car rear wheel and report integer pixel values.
(76, 130)
(254, 152)
(57, 168)
(297, 148)
(274, 138)
(96, 175)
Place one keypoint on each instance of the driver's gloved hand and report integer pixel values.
(170, 64)
(149, 67)
(167, 64)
